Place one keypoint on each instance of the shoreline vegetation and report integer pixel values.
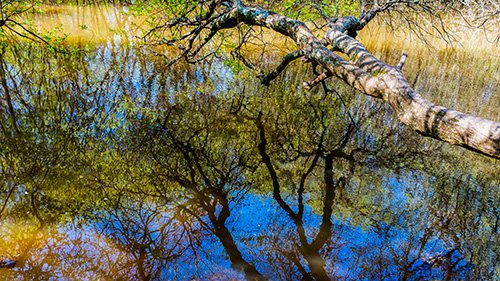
(465, 59)
(468, 64)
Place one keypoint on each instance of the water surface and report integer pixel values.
(116, 167)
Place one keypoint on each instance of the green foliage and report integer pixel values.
(236, 66)
(308, 10)
(114, 133)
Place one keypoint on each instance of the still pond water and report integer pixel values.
(116, 167)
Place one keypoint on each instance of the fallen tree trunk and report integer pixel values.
(364, 72)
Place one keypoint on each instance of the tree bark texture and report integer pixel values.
(365, 73)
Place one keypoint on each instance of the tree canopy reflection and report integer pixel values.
(115, 167)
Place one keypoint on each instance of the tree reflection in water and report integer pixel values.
(116, 168)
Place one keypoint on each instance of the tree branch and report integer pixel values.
(308, 85)
(402, 61)
(367, 74)
(266, 79)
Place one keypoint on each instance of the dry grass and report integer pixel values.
(52, 9)
(87, 24)
(464, 75)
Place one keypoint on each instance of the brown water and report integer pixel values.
(116, 167)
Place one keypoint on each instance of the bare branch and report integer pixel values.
(237, 54)
(308, 85)
(365, 73)
(402, 61)
(266, 79)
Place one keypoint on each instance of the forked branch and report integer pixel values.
(363, 72)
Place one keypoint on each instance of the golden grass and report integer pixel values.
(87, 24)
(52, 9)
(463, 75)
